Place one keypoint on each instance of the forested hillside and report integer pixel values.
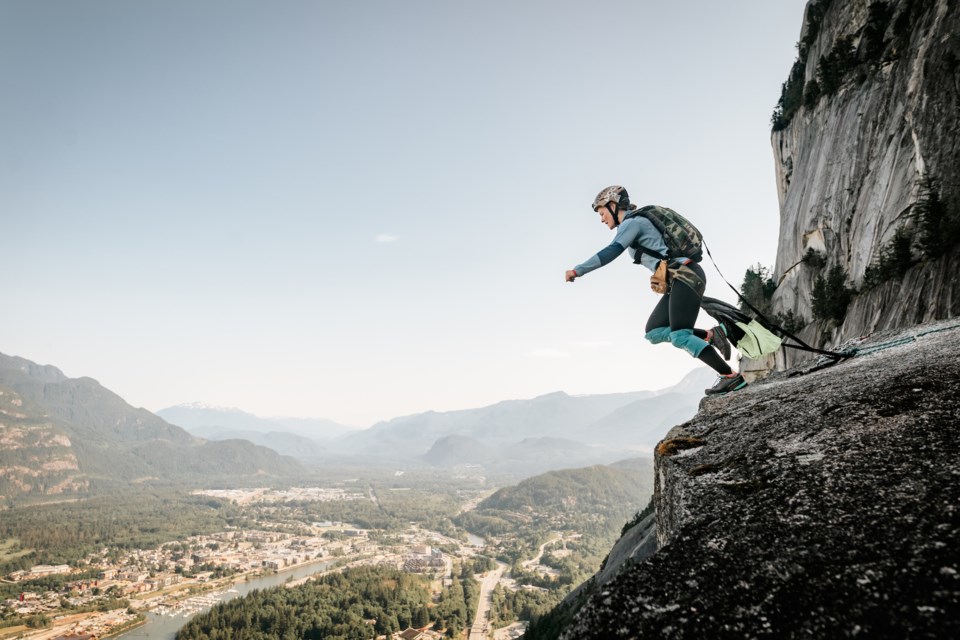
(358, 604)
(554, 530)
(599, 486)
(67, 532)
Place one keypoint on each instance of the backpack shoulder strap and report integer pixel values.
(643, 212)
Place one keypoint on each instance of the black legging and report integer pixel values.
(678, 309)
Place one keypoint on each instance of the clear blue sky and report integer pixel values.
(364, 209)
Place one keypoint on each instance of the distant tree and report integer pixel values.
(38, 621)
(792, 95)
(811, 94)
(790, 322)
(879, 15)
(758, 287)
(421, 617)
(831, 295)
(833, 67)
(939, 226)
(814, 259)
(894, 260)
(388, 624)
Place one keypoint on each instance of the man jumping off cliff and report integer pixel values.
(667, 244)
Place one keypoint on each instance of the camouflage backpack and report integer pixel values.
(681, 237)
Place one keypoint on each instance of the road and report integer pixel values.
(481, 623)
(536, 561)
(481, 629)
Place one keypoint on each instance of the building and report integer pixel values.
(134, 575)
(420, 564)
(162, 581)
(42, 570)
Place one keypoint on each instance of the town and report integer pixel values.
(114, 590)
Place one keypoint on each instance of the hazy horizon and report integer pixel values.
(199, 404)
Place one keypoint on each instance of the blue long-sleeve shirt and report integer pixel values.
(631, 232)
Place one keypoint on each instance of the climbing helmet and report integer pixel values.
(615, 194)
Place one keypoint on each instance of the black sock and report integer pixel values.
(700, 333)
(711, 358)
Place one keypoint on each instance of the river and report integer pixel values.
(476, 541)
(160, 627)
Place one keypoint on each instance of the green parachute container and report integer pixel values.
(748, 335)
(757, 340)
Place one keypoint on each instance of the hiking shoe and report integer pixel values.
(719, 340)
(725, 384)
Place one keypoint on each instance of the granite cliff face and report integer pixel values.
(870, 112)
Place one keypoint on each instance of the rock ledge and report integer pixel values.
(823, 505)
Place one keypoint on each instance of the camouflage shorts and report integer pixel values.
(689, 274)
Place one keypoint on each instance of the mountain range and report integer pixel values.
(524, 437)
(62, 436)
(197, 416)
(303, 438)
(579, 430)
